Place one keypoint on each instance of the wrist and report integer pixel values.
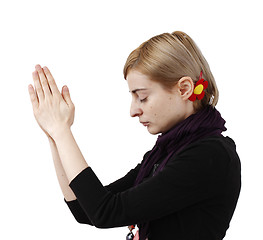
(60, 133)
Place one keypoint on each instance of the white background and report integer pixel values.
(85, 44)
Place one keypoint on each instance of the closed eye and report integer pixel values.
(143, 100)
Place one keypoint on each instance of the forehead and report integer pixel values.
(136, 80)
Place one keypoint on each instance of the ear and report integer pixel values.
(186, 87)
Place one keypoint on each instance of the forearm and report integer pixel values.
(71, 157)
(61, 175)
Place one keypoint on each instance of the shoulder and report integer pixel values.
(211, 146)
(210, 153)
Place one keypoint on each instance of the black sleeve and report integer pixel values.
(195, 174)
(120, 185)
(128, 180)
(78, 212)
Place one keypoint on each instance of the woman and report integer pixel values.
(188, 185)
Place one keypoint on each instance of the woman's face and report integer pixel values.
(156, 108)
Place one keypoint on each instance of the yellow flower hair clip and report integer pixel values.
(199, 88)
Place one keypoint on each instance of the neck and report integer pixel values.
(189, 110)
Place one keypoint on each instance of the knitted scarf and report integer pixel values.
(206, 122)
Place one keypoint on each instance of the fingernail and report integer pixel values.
(37, 66)
(65, 88)
(30, 87)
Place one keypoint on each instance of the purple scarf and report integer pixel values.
(207, 122)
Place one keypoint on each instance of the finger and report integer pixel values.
(33, 97)
(43, 81)
(38, 87)
(66, 96)
(51, 81)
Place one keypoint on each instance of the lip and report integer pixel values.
(145, 123)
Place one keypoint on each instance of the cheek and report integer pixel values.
(155, 112)
(160, 108)
(152, 110)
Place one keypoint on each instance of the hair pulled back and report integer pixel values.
(166, 58)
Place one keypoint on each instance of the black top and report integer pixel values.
(192, 198)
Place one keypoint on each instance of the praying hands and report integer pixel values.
(53, 111)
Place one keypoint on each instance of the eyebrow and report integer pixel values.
(138, 89)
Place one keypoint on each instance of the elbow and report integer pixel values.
(81, 221)
(99, 224)
(106, 222)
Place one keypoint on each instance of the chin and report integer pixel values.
(153, 131)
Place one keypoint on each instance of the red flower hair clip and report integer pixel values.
(199, 88)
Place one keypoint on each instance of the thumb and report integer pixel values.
(66, 95)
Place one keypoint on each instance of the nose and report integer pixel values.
(135, 110)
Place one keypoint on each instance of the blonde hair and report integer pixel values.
(166, 58)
